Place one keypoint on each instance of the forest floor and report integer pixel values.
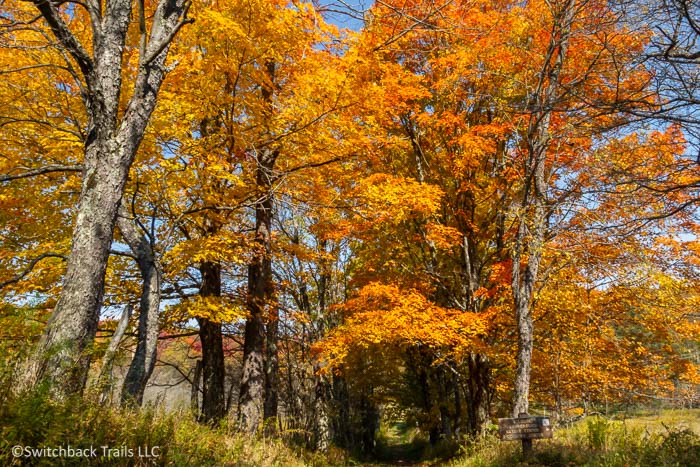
(399, 444)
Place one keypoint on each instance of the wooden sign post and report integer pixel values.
(524, 428)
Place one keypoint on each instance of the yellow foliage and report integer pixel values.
(386, 198)
(217, 309)
(443, 236)
(219, 248)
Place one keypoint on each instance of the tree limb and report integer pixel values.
(63, 33)
(41, 171)
(30, 267)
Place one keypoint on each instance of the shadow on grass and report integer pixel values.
(401, 444)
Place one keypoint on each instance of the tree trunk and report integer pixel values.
(322, 425)
(104, 382)
(522, 293)
(250, 401)
(369, 421)
(213, 372)
(258, 381)
(457, 391)
(253, 380)
(478, 393)
(194, 393)
(323, 390)
(144, 359)
(427, 399)
(271, 372)
(530, 237)
(63, 355)
(213, 369)
(444, 390)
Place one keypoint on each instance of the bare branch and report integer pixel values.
(41, 171)
(63, 33)
(126, 254)
(30, 267)
(312, 165)
(32, 67)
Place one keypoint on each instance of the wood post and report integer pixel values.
(527, 442)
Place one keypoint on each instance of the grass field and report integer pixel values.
(668, 438)
(663, 438)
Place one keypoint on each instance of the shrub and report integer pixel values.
(677, 447)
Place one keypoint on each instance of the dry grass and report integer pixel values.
(669, 438)
(33, 420)
(659, 422)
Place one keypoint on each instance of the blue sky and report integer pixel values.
(345, 13)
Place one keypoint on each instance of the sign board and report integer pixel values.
(511, 429)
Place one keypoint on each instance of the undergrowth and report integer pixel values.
(101, 435)
(127, 437)
(596, 441)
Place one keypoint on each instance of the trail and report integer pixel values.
(399, 446)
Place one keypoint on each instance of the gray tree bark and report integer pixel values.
(322, 422)
(272, 368)
(63, 357)
(530, 236)
(103, 382)
(253, 399)
(144, 359)
(194, 393)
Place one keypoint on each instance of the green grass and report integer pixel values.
(670, 438)
(399, 443)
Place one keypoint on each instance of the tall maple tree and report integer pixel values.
(494, 144)
(255, 104)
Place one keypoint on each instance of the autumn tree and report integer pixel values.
(267, 113)
(587, 79)
(430, 242)
(408, 222)
(39, 164)
(614, 271)
(91, 40)
(487, 146)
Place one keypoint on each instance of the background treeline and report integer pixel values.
(451, 212)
